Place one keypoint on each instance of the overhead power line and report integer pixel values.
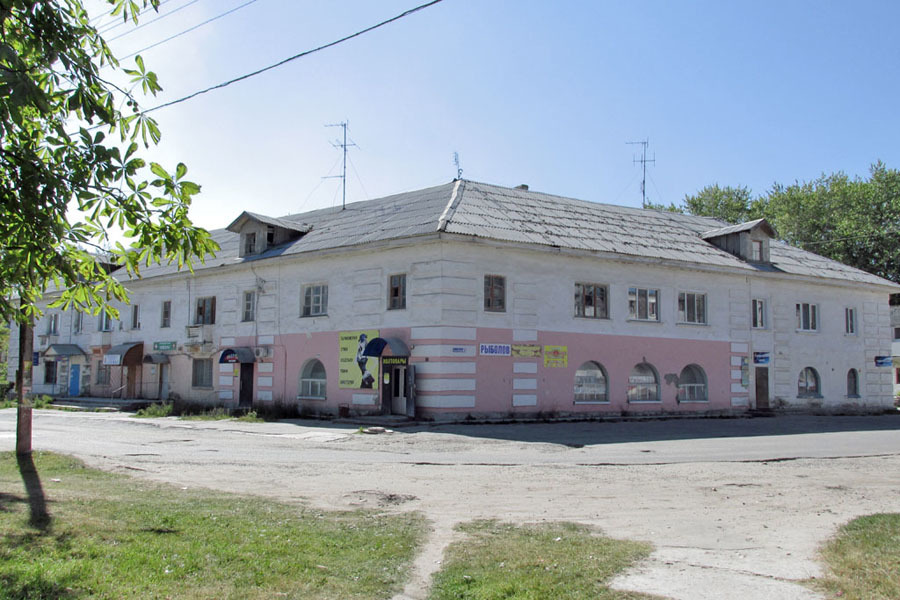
(189, 29)
(151, 21)
(296, 56)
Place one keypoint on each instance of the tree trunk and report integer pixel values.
(23, 390)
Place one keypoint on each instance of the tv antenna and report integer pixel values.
(643, 160)
(343, 146)
(456, 162)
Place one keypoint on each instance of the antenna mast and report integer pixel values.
(643, 160)
(343, 176)
(456, 162)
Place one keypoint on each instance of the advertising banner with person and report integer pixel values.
(356, 371)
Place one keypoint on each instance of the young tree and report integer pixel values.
(70, 164)
(731, 204)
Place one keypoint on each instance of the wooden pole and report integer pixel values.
(23, 390)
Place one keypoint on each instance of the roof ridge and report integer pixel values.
(455, 197)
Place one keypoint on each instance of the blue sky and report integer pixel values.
(543, 93)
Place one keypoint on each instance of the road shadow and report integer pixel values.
(37, 501)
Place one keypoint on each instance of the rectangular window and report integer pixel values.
(136, 316)
(249, 243)
(691, 308)
(756, 250)
(591, 301)
(850, 321)
(897, 333)
(206, 311)
(77, 321)
(249, 312)
(643, 304)
(270, 236)
(202, 372)
(397, 292)
(315, 300)
(758, 309)
(50, 372)
(53, 324)
(494, 293)
(104, 323)
(807, 316)
(102, 374)
(166, 318)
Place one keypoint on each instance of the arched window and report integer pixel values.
(808, 384)
(643, 384)
(852, 382)
(590, 383)
(692, 385)
(312, 380)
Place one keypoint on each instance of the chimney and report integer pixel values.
(522, 186)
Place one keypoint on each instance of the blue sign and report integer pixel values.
(495, 349)
(35, 358)
(760, 358)
(884, 361)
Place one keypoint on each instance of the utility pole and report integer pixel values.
(643, 160)
(343, 176)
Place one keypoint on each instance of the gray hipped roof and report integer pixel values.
(517, 215)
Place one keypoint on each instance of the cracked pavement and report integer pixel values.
(734, 507)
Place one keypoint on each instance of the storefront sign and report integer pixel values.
(112, 360)
(400, 361)
(164, 345)
(229, 357)
(884, 361)
(526, 350)
(495, 349)
(556, 356)
(760, 358)
(355, 370)
(35, 358)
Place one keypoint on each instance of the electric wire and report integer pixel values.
(358, 178)
(189, 29)
(120, 20)
(151, 21)
(294, 57)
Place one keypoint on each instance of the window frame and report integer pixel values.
(53, 323)
(307, 295)
(850, 325)
(248, 243)
(807, 314)
(597, 398)
(704, 386)
(396, 292)
(77, 322)
(165, 317)
(104, 321)
(758, 316)
(634, 304)
(320, 384)
(632, 387)
(103, 374)
(853, 391)
(135, 316)
(803, 380)
(581, 295)
(248, 311)
(199, 372)
(495, 293)
(48, 371)
(682, 314)
(757, 245)
(207, 316)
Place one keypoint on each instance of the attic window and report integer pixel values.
(756, 250)
(270, 236)
(249, 243)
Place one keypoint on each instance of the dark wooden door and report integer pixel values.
(245, 391)
(762, 388)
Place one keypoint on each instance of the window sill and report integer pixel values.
(311, 398)
(690, 323)
(806, 331)
(397, 308)
(202, 387)
(592, 402)
(810, 397)
(644, 401)
(693, 401)
(587, 318)
(853, 396)
(631, 320)
(313, 316)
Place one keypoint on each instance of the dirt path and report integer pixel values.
(730, 515)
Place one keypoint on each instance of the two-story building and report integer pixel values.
(468, 298)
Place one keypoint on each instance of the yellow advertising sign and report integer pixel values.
(356, 371)
(526, 350)
(556, 356)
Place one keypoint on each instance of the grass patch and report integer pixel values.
(36, 402)
(155, 410)
(554, 560)
(110, 536)
(863, 559)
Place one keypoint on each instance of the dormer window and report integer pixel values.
(270, 236)
(756, 250)
(747, 241)
(249, 246)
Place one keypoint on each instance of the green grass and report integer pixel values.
(110, 536)
(534, 562)
(863, 560)
(36, 402)
(155, 410)
(214, 414)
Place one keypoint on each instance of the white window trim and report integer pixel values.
(765, 313)
(855, 321)
(678, 321)
(244, 318)
(303, 289)
(815, 329)
(605, 287)
(637, 289)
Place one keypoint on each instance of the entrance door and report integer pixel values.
(398, 390)
(132, 381)
(163, 381)
(245, 393)
(74, 380)
(762, 388)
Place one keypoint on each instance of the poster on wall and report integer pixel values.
(356, 371)
(556, 356)
(526, 350)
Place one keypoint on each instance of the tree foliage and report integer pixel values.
(71, 165)
(852, 220)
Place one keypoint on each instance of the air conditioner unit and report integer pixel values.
(193, 331)
(262, 352)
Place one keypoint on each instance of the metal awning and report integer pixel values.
(122, 354)
(396, 347)
(240, 354)
(156, 359)
(64, 350)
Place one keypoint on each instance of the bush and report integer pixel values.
(160, 409)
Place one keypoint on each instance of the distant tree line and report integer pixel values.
(852, 220)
